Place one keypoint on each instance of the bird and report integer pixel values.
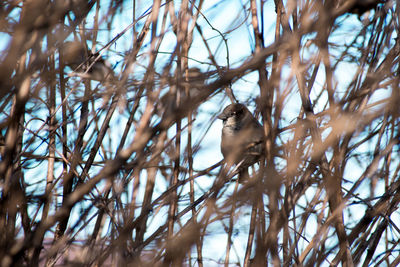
(76, 55)
(242, 140)
(357, 7)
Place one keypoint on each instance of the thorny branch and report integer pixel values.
(105, 164)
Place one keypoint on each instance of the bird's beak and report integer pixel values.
(222, 116)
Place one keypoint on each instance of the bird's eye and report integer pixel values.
(238, 113)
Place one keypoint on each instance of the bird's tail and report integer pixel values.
(243, 175)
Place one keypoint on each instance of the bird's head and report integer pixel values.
(234, 115)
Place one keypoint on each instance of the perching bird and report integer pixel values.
(242, 138)
(78, 58)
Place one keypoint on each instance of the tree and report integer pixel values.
(118, 163)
